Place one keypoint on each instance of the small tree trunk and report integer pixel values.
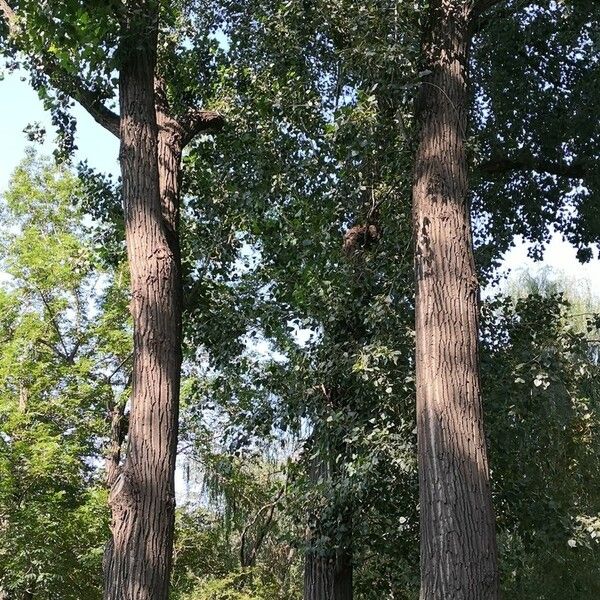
(142, 498)
(328, 578)
(458, 545)
(328, 574)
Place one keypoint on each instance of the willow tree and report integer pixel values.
(93, 53)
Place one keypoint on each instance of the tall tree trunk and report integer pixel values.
(458, 545)
(138, 559)
(142, 498)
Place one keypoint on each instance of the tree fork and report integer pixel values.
(458, 545)
(142, 497)
(137, 561)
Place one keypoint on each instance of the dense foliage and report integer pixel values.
(297, 421)
(64, 340)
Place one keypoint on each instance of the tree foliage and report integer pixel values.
(297, 265)
(64, 339)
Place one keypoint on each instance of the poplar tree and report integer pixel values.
(106, 57)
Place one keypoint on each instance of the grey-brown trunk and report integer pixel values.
(142, 497)
(328, 578)
(458, 545)
(328, 567)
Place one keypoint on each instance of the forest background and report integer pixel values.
(257, 384)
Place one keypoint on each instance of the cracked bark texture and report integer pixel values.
(142, 497)
(137, 560)
(458, 546)
(328, 578)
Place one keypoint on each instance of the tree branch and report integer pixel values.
(197, 121)
(67, 83)
(578, 169)
(54, 322)
(94, 106)
(54, 350)
(190, 124)
(248, 561)
(119, 367)
(118, 431)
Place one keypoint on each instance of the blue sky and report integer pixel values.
(19, 106)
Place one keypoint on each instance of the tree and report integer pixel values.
(280, 229)
(236, 542)
(539, 371)
(534, 135)
(74, 50)
(529, 167)
(325, 128)
(316, 144)
(458, 544)
(304, 264)
(63, 364)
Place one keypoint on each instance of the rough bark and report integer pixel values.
(138, 557)
(458, 546)
(327, 572)
(328, 578)
(23, 397)
(142, 497)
